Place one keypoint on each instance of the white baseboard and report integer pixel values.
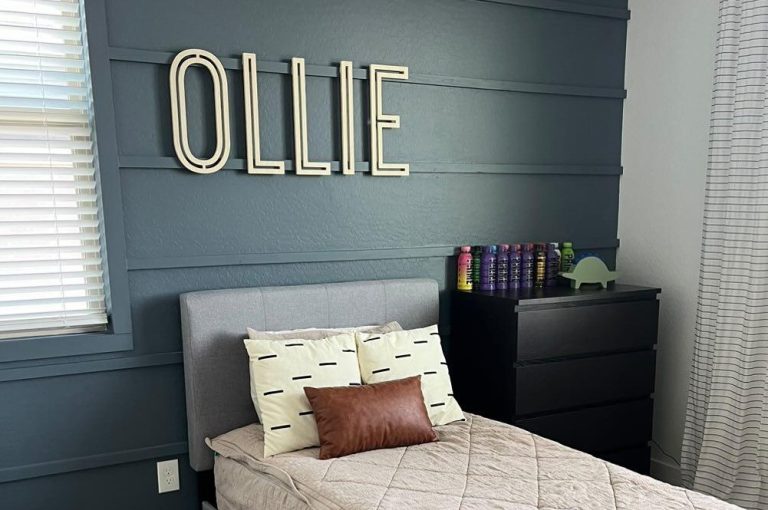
(665, 470)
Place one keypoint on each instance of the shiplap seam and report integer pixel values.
(302, 257)
(566, 7)
(72, 464)
(436, 167)
(272, 67)
(86, 367)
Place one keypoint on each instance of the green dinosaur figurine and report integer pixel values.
(590, 270)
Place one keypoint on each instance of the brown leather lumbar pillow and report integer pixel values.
(353, 419)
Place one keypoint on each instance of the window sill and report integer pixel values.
(56, 346)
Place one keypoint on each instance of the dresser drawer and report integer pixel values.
(573, 330)
(597, 429)
(553, 386)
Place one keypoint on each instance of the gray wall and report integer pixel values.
(513, 133)
(662, 191)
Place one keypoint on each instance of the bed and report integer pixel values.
(479, 463)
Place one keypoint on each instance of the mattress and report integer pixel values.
(477, 464)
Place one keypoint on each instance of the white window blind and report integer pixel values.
(51, 273)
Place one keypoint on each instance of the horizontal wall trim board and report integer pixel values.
(288, 258)
(55, 346)
(516, 86)
(247, 259)
(423, 167)
(56, 467)
(85, 367)
(266, 66)
(558, 5)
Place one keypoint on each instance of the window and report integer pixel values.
(51, 271)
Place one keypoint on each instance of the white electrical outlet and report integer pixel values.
(168, 476)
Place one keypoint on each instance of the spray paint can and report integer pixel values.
(553, 265)
(477, 252)
(515, 259)
(464, 272)
(502, 267)
(488, 268)
(568, 256)
(540, 253)
(527, 269)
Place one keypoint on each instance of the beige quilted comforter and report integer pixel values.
(477, 464)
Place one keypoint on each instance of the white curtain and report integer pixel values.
(725, 444)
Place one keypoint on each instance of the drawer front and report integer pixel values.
(597, 429)
(562, 385)
(637, 459)
(567, 331)
(481, 354)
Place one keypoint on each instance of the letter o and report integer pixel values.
(179, 67)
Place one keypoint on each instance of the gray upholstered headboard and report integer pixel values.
(213, 325)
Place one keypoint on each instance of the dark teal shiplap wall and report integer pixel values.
(512, 126)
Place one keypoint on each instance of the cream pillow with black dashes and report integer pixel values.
(315, 334)
(279, 372)
(320, 333)
(400, 354)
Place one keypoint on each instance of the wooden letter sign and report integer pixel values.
(302, 164)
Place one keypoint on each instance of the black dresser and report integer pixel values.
(576, 366)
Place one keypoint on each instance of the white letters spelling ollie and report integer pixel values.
(302, 164)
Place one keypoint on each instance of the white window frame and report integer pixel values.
(117, 334)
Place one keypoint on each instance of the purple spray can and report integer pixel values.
(502, 267)
(515, 259)
(488, 268)
(527, 267)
